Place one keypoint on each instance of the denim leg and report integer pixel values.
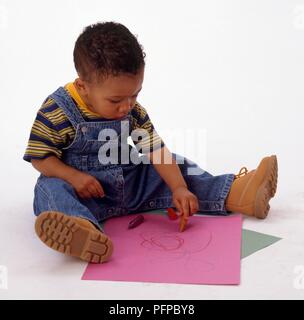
(55, 194)
(146, 190)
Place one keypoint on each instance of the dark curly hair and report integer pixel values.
(107, 48)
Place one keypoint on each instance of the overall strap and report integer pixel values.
(66, 103)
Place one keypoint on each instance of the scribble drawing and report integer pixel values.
(168, 247)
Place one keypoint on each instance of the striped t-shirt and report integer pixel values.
(52, 130)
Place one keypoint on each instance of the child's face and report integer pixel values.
(114, 97)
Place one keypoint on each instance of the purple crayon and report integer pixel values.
(136, 221)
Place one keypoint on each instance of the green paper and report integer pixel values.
(253, 241)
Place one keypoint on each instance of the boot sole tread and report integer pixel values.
(267, 189)
(62, 233)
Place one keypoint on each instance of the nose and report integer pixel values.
(125, 108)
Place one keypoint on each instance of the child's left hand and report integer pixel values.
(185, 201)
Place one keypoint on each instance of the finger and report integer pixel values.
(93, 190)
(86, 194)
(99, 189)
(82, 195)
(96, 191)
(185, 205)
(193, 206)
(179, 208)
(180, 213)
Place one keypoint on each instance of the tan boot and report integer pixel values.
(251, 192)
(73, 236)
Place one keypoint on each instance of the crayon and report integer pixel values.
(171, 213)
(136, 221)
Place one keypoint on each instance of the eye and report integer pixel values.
(112, 101)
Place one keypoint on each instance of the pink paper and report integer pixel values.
(207, 252)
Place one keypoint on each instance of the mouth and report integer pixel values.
(122, 116)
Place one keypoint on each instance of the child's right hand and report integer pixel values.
(86, 186)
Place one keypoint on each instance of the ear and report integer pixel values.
(81, 86)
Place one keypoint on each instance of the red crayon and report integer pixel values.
(136, 221)
(171, 213)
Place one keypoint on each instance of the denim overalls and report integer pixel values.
(129, 188)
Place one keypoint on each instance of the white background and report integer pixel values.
(232, 68)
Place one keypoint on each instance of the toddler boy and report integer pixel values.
(89, 172)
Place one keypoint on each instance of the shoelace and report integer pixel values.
(242, 172)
